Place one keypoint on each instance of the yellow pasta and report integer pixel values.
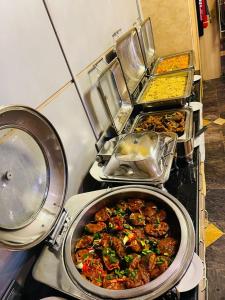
(164, 88)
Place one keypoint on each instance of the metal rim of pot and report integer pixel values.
(165, 281)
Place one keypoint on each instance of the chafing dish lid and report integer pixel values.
(33, 177)
(113, 90)
(137, 146)
(147, 41)
(129, 51)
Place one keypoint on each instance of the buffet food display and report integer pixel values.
(126, 245)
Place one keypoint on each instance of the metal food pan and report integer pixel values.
(173, 101)
(161, 59)
(187, 134)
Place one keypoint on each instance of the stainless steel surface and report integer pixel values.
(108, 149)
(168, 101)
(24, 178)
(143, 150)
(182, 224)
(187, 134)
(113, 171)
(129, 51)
(34, 177)
(162, 58)
(147, 42)
(113, 90)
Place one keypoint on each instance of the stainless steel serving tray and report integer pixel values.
(179, 101)
(124, 175)
(161, 59)
(129, 52)
(187, 134)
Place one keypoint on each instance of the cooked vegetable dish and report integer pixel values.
(165, 87)
(126, 245)
(168, 122)
(173, 63)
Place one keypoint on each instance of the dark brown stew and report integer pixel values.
(168, 122)
(126, 245)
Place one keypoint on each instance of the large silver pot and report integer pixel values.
(181, 225)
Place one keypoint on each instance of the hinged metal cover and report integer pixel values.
(113, 90)
(128, 49)
(33, 177)
(147, 42)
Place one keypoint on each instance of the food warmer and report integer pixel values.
(33, 209)
(171, 89)
(185, 136)
(169, 63)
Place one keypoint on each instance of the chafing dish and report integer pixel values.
(143, 151)
(149, 52)
(137, 63)
(116, 170)
(185, 139)
(180, 100)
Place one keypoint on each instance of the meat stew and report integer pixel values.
(126, 245)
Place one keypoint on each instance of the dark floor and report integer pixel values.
(214, 107)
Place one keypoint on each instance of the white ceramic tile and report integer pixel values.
(69, 119)
(32, 66)
(85, 27)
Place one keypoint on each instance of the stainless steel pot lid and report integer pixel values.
(138, 146)
(114, 93)
(33, 177)
(147, 41)
(129, 51)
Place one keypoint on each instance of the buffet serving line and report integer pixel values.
(140, 235)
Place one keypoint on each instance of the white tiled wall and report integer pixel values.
(85, 27)
(32, 67)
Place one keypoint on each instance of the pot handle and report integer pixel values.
(193, 275)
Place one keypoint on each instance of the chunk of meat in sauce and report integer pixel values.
(81, 255)
(157, 230)
(162, 264)
(103, 214)
(137, 277)
(135, 204)
(84, 242)
(95, 227)
(93, 270)
(158, 217)
(150, 210)
(168, 246)
(149, 261)
(134, 263)
(105, 240)
(139, 233)
(135, 245)
(110, 259)
(137, 219)
(114, 284)
(118, 246)
(116, 223)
